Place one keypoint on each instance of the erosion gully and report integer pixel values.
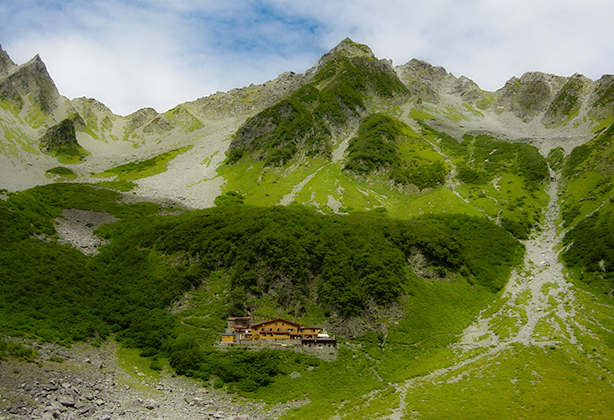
(537, 293)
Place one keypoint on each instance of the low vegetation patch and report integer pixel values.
(12, 349)
(137, 170)
(385, 144)
(556, 158)
(61, 172)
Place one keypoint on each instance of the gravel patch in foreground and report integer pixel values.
(87, 382)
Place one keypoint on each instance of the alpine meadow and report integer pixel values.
(454, 244)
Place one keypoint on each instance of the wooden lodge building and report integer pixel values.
(282, 329)
(276, 330)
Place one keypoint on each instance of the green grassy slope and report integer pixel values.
(279, 261)
(334, 146)
(390, 166)
(587, 212)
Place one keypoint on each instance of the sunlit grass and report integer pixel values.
(142, 169)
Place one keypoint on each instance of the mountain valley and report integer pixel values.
(456, 241)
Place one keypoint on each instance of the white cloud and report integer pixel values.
(131, 54)
(488, 41)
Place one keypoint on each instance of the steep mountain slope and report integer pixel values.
(31, 105)
(310, 118)
(391, 205)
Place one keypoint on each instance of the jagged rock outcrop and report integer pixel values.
(138, 119)
(567, 101)
(158, 125)
(29, 82)
(62, 135)
(346, 48)
(181, 116)
(422, 79)
(90, 109)
(246, 101)
(6, 64)
(602, 98)
(467, 89)
(530, 95)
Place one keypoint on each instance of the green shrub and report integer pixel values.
(9, 348)
(374, 146)
(485, 249)
(423, 176)
(517, 228)
(60, 170)
(590, 243)
(472, 176)
(556, 158)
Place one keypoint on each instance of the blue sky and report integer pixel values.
(135, 53)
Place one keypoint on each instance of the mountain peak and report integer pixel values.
(351, 48)
(37, 62)
(423, 80)
(346, 48)
(423, 69)
(529, 95)
(6, 64)
(27, 82)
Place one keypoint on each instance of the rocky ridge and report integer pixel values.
(545, 110)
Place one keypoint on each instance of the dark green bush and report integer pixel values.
(9, 348)
(374, 146)
(428, 175)
(556, 158)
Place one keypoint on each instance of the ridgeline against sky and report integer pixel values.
(131, 55)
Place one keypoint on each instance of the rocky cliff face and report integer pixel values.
(423, 80)
(528, 96)
(568, 101)
(31, 83)
(6, 64)
(601, 99)
(294, 115)
(62, 135)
